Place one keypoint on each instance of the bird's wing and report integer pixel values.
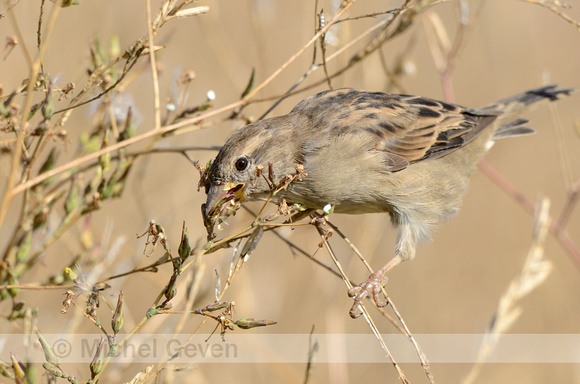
(406, 128)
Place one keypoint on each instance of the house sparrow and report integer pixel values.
(365, 152)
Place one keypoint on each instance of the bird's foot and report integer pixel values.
(373, 287)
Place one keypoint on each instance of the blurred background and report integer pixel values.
(454, 284)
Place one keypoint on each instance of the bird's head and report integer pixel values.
(244, 167)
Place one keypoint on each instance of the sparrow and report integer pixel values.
(364, 152)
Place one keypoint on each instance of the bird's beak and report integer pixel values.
(214, 194)
(222, 192)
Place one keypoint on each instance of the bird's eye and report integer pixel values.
(242, 163)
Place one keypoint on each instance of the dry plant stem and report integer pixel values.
(150, 134)
(131, 55)
(130, 334)
(147, 268)
(83, 312)
(369, 15)
(420, 354)
(196, 256)
(344, 7)
(403, 327)
(160, 296)
(447, 74)
(555, 228)
(562, 153)
(319, 33)
(19, 145)
(573, 196)
(170, 128)
(95, 75)
(394, 79)
(115, 147)
(193, 291)
(133, 156)
(313, 348)
(552, 6)
(38, 149)
(367, 50)
(446, 61)
(31, 287)
(364, 311)
(294, 247)
(323, 52)
(39, 29)
(534, 272)
(153, 68)
(313, 67)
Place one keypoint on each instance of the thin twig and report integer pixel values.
(362, 308)
(345, 6)
(34, 65)
(573, 195)
(403, 328)
(552, 6)
(170, 128)
(153, 67)
(534, 272)
(313, 67)
(505, 185)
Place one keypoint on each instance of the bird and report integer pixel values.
(370, 152)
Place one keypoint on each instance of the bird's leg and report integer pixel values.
(372, 286)
(408, 233)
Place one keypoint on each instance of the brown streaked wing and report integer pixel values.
(409, 128)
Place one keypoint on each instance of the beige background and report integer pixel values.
(455, 282)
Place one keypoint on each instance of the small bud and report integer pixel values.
(49, 355)
(248, 322)
(191, 12)
(6, 370)
(17, 368)
(171, 289)
(252, 242)
(12, 280)
(117, 321)
(96, 365)
(66, 3)
(215, 306)
(24, 247)
(48, 105)
(250, 85)
(184, 247)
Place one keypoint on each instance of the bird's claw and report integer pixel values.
(372, 286)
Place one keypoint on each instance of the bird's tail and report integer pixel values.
(511, 107)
